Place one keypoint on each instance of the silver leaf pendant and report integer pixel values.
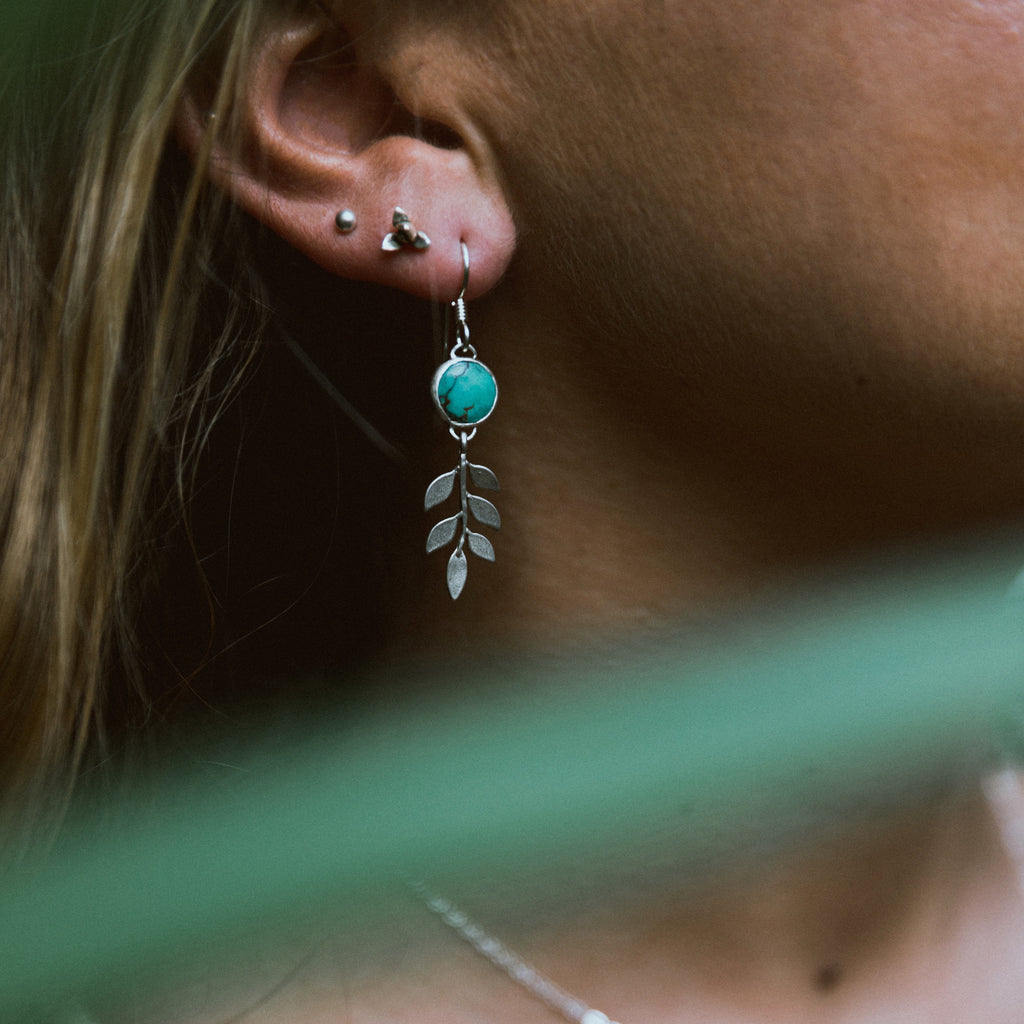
(457, 526)
(483, 477)
(439, 489)
(457, 571)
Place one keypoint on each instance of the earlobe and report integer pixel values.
(322, 132)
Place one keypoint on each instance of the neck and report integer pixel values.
(887, 913)
(634, 498)
(916, 917)
(629, 512)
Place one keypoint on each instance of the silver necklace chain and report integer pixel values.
(1005, 794)
(524, 974)
(1004, 791)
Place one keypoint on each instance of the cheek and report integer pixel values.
(900, 174)
(746, 95)
(584, 114)
(770, 194)
(752, 125)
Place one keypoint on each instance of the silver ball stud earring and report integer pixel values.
(403, 234)
(345, 221)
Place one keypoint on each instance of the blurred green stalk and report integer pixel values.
(882, 689)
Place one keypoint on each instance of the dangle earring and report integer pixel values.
(465, 393)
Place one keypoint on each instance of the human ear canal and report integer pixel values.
(322, 130)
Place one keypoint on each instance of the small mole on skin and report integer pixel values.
(828, 977)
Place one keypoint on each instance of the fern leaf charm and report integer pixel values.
(465, 393)
(472, 506)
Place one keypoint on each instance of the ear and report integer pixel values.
(322, 130)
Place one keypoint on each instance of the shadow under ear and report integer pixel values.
(303, 537)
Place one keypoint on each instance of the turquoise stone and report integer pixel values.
(465, 391)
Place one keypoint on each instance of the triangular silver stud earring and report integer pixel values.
(404, 234)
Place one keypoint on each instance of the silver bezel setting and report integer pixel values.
(440, 372)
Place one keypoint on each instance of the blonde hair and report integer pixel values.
(107, 366)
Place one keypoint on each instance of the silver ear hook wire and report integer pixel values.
(465, 268)
(461, 347)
